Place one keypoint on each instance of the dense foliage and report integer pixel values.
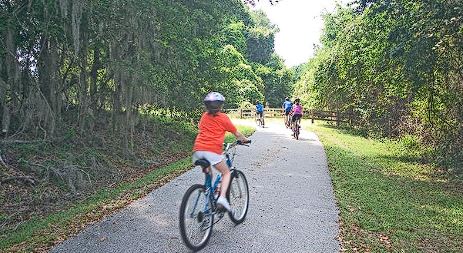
(396, 67)
(96, 92)
(68, 64)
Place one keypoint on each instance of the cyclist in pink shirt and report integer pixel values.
(297, 110)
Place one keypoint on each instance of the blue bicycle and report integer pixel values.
(199, 207)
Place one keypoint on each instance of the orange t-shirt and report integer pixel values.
(212, 130)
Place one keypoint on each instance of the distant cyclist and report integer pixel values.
(259, 111)
(209, 142)
(287, 106)
(296, 111)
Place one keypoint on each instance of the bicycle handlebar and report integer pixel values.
(228, 146)
(243, 143)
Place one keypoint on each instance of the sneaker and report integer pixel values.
(223, 202)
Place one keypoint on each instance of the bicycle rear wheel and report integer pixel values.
(296, 131)
(196, 217)
(238, 196)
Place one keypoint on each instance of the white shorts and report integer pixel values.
(212, 157)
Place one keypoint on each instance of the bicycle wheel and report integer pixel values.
(196, 217)
(296, 131)
(238, 196)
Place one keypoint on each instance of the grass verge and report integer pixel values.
(40, 234)
(388, 199)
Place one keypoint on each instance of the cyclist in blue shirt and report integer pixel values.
(260, 113)
(287, 106)
(259, 108)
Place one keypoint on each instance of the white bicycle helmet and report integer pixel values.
(214, 102)
(214, 96)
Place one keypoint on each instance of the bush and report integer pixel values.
(246, 105)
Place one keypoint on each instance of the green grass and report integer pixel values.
(43, 232)
(388, 199)
(245, 130)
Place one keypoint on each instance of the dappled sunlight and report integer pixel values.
(275, 127)
(375, 152)
(455, 212)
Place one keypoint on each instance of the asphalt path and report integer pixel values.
(292, 206)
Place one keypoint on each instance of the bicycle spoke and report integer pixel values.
(196, 202)
(239, 197)
(196, 217)
(191, 229)
(192, 223)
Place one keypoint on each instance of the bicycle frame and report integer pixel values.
(211, 187)
(295, 127)
(297, 122)
(260, 119)
(203, 216)
(287, 120)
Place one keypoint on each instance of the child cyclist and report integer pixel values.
(287, 105)
(209, 141)
(296, 111)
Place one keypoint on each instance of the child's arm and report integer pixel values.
(239, 136)
(232, 129)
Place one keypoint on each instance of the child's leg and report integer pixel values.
(226, 175)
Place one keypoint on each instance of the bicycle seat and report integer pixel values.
(203, 163)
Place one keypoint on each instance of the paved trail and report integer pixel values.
(292, 207)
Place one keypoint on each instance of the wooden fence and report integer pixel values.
(279, 113)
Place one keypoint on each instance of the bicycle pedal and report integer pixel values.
(220, 208)
(200, 217)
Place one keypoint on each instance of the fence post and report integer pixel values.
(312, 114)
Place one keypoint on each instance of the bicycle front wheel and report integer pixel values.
(196, 217)
(238, 196)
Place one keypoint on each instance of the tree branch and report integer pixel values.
(24, 179)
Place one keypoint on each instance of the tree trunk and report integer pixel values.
(116, 96)
(94, 78)
(83, 96)
(125, 122)
(116, 110)
(11, 68)
(55, 88)
(85, 115)
(4, 109)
